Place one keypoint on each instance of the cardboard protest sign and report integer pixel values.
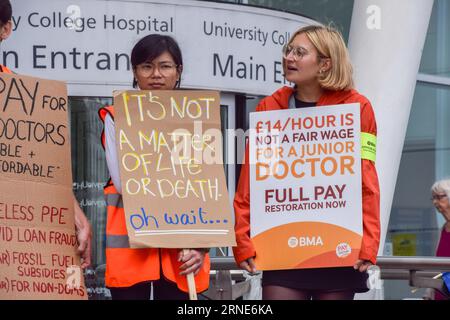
(38, 258)
(305, 178)
(171, 168)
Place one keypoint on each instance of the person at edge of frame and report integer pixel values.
(82, 226)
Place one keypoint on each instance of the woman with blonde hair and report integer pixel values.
(316, 60)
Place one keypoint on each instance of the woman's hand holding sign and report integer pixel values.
(193, 261)
(84, 234)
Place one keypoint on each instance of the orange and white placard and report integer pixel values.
(305, 182)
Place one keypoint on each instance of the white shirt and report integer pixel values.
(112, 157)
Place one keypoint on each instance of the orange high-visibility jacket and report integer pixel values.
(125, 266)
(4, 69)
(370, 188)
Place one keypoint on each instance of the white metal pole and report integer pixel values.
(386, 42)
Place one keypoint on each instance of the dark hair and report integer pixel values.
(5, 11)
(152, 46)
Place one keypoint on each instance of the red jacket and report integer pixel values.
(370, 188)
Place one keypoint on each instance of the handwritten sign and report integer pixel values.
(305, 177)
(38, 257)
(173, 181)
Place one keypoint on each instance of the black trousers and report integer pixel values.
(162, 290)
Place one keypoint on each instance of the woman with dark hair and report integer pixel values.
(157, 65)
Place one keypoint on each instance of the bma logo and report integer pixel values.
(73, 277)
(343, 250)
(294, 242)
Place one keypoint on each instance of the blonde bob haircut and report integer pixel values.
(330, 44)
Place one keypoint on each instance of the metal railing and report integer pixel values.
(421, 272)
(229, 282)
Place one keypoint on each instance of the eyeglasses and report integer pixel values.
(297, 52)
(438, 197)
(164, 68)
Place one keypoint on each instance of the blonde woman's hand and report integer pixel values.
(248, 265)
(362, 265)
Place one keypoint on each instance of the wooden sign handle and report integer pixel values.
(191, 282)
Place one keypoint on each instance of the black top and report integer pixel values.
(321, 279)
(303, 104)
